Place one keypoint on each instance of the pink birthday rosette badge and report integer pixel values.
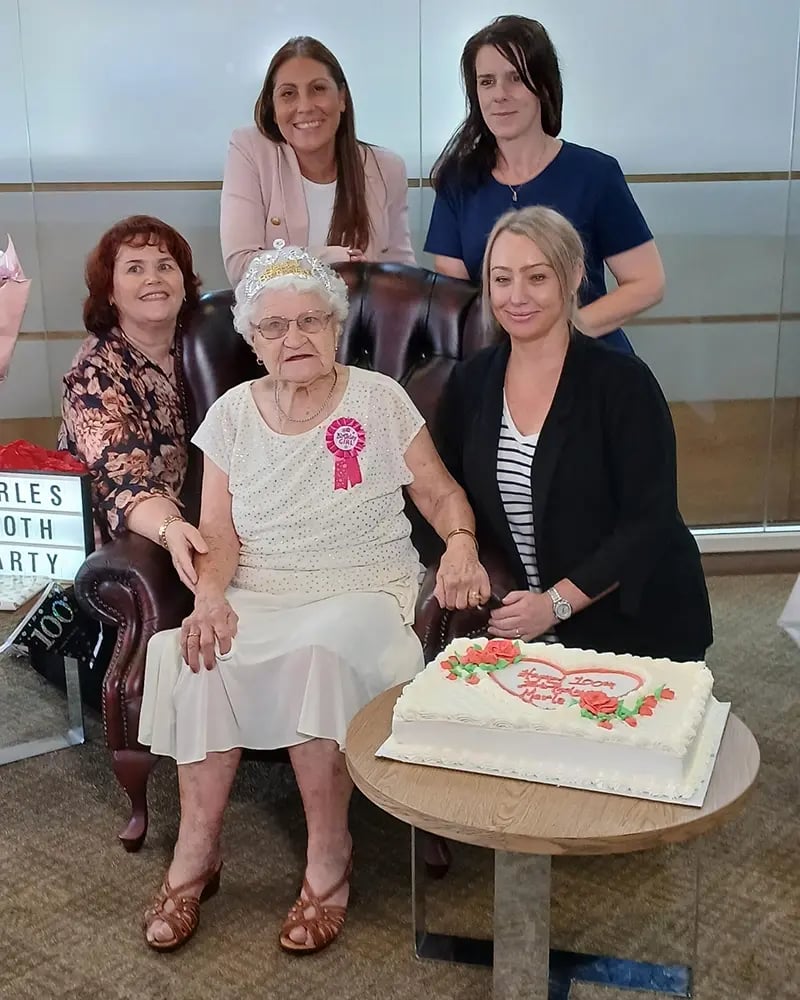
(345, 438)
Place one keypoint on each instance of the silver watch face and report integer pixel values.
(562, 610)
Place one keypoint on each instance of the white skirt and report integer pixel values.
(294, 674)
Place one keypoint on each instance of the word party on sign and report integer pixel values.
(33, 562)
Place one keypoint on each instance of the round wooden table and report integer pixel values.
(526, 824)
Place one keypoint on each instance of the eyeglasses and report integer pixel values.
(275, 327)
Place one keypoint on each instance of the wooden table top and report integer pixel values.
(511, 815)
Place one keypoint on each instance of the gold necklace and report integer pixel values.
(305, 420)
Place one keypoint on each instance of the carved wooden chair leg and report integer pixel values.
(132, 768)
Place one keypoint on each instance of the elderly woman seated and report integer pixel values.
(305, 600)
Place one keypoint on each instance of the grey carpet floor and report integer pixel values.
(70, 898)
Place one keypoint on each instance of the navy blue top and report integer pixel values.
(584, 185)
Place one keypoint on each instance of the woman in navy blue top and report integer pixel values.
(507, 154)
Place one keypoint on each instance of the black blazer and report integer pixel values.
(605, 504)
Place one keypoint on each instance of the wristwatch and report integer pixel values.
(562, 609)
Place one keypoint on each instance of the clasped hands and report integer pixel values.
(523, 615)
(462, 582)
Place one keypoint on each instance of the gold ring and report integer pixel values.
(192, 635)
(518, 633)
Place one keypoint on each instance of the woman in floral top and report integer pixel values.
(122, 410)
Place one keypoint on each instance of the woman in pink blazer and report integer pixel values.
(302, 175)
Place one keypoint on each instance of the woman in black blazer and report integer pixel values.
(567, 452)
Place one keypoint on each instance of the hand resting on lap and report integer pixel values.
(207, 631)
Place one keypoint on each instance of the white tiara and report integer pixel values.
(282, 261)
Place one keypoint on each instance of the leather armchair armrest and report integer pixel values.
(132, 578)
(437, 626)
(130, 583)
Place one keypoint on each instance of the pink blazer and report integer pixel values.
(263, 199)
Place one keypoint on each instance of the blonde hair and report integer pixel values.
(554, 235)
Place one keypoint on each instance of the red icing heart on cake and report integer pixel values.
(546, 685)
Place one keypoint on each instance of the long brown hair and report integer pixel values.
(471, 153)
(99, 315)
(350, 224)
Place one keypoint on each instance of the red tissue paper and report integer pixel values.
(23, 456)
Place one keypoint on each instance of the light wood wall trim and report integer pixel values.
(697, 177)
(40, 430)
(44, 430)
(707, 320)
(716, 319)
(736, 458)
(714, 177)
(29, 336)
(751, 563)
(67, 187)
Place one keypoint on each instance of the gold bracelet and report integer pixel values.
(162, 531)
(461, 531)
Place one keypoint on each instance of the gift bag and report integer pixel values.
(14, 289)
(55, 626)
(789, 620)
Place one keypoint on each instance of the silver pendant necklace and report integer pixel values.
(514, 188)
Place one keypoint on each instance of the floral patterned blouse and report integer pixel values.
(122, 415)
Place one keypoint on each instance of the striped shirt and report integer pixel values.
(515, 453)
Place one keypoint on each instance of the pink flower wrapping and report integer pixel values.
(14, 290)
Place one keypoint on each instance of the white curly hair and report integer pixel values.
(246, 309)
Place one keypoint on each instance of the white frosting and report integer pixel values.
(525, 720)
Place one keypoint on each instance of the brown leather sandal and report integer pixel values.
(326, 923)
(184, 916)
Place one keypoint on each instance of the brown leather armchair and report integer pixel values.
(405, 322)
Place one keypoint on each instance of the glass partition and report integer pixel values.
(26, 400)
(783, 501)
(100, 122)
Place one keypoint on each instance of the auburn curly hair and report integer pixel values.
(99, 315)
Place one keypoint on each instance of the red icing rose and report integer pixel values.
(479, 657)
(630, 721)
(473, 679)
(650, 701)
(667, 694)
(22, 456)
(605, 724)
(452, 677)
(502, 649)
(598, 703)
(446, 665)
(645, 710)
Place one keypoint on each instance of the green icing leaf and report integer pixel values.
(657, 692)
(602, 717)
